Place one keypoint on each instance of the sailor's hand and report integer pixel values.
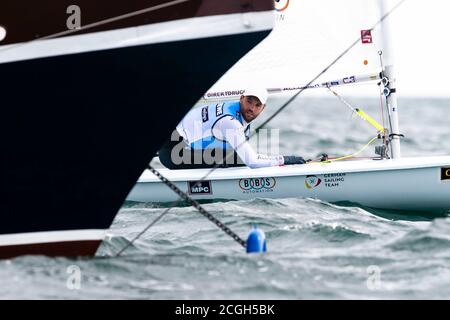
(293, 160)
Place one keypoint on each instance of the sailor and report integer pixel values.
(217, 135)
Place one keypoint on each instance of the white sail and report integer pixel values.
(309, 36)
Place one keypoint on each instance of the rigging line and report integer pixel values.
(192, 202)
(197, 206)
(328, 67)
(99, 23)
(359, 112)
(385, 141)
(388, 115)
(354, 154)
(151, 224)
(380, 53)
(342, 100)
(383, 116)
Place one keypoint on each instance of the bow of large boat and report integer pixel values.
(84, 110)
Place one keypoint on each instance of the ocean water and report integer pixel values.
(316, 250)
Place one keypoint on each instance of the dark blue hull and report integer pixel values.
(78, 130)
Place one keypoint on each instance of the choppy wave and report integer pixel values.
(316, 250)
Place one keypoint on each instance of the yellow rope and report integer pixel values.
(354, 154)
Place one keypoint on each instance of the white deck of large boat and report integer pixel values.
(308, 169)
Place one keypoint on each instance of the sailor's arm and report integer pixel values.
(233, 132)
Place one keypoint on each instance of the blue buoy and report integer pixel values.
(256, 241)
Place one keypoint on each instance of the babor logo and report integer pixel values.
(257, 184)
(281, 5)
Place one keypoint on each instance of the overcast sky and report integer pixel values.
(421, 47)
(419, 41)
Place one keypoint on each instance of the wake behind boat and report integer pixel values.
(78, 87)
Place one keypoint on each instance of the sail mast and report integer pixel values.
(389, 83)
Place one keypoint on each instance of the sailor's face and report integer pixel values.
(251, 107)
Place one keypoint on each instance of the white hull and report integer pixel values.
(416, 184)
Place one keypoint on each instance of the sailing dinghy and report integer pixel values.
(322, 45)
(396, 184)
